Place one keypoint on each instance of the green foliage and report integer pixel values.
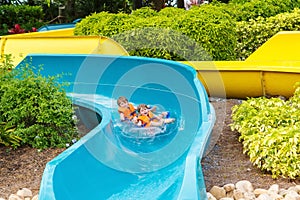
(213, 29)
(144, 12)
(26, 16)
(7, 137)
(105, 24)
(246, 10)
(34, 110)
(198, 34)
(230, 31)
(252, 34)
(270, 132)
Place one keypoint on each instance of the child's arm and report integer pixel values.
(135, 120)
(152, 109)
(139, 123)
(122, 117)
(156, 117)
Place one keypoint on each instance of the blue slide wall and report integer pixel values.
(105, 164)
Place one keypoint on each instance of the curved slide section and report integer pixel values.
(242, 79)
(58, 41)
(272, 70)
(108, 164)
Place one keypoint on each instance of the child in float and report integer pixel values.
(146, 118)
(127, 110)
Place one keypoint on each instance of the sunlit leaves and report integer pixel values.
(270, 133)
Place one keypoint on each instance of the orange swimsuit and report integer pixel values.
(146, 119)
(128, 112)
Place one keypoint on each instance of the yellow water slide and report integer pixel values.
(271, 70)
(60, 41)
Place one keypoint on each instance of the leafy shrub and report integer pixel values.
(270, 132)
(144, 12)
(34, 110)
(105, 24)
(197, 34)
(252, 34)
(212, 28)
(26, 16)
(246, 10)
(230, 31)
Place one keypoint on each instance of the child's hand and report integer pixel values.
(139, 123)
(134, 119)
(122, 117)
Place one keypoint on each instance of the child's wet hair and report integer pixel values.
(142, 106)
(122, 99)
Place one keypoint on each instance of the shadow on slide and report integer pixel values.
(106, 163)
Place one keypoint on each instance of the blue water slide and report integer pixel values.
(51, 27)
(107, 163)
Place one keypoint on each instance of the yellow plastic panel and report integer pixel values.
(242, 79)
(235, 84)
(229, 79)
(19, 46)
(282, 46)
(59, 32)
(280, 83)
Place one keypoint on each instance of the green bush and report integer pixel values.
(26, 16)
(246, 10)
(253, 34)
(144, 12)
(34, 110)
(105, 24)
(215, 31)
(172, 33)
(212, 28)
(270, 132)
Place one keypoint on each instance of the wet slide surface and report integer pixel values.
(106, 163)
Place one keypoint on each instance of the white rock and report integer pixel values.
(275, 196)
(244, 186)
(295, 188)
(274, 188)
(298, 188)
(264, 196)
(292, 195)
(283, 192)
(226, 198)
(14, 197)
(229, 194)
(260, 191)
(218, 192)
(229, 187)
(24, 192)
(209, 196)
(249, 196)
(238, 194)
(1, 198)
(36, 197)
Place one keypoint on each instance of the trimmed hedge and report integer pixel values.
(198, 34)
